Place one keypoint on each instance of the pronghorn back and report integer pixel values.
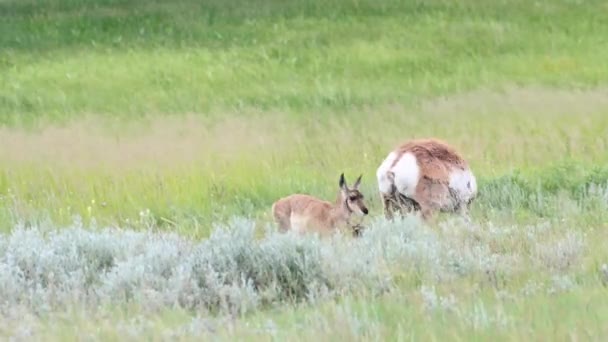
(299, 211)
(432, 152)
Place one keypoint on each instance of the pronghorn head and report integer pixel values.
(352, 198)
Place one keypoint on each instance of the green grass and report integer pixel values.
(404, 317)
(575, 314)
(190, 175)
(178, 115)
(63, 59)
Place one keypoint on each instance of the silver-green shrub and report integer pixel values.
(233, 271)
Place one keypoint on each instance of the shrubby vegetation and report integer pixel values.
(233, 272)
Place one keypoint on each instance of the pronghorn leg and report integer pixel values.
(463, 211)
(460, 207)
(281, 217)
(387, 204)
(400, 204)
(427, 213)
(283, 223)
(431, 195)
(406, 205)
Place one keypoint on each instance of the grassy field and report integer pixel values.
(157, 117)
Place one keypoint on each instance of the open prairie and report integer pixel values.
(143, 142)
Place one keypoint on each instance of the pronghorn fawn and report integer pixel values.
(426, 175)
(307, 214)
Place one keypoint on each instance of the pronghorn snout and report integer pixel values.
(361, 209)
(364, 210)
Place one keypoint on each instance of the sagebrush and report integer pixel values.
(234, 272)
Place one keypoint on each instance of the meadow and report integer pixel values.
(142, 144)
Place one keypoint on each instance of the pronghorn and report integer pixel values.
(304, 213)
(426, 175)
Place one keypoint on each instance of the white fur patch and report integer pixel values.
(384, 183)
(463, 183)
(298, 223)
(407, 174)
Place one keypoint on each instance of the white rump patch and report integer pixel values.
(406, 170)
(463, 183)
(384, 183)
(407, 174)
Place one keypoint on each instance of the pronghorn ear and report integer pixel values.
(343, 182)
(357, 183)
(391, 176)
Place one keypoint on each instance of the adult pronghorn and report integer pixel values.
(426, 175)
(304, 213)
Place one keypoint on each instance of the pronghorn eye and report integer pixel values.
(353, 198)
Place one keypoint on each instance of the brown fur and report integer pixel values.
(435, 159)
(321, 216)
(433, 156)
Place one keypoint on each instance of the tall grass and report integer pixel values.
(190, 175)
